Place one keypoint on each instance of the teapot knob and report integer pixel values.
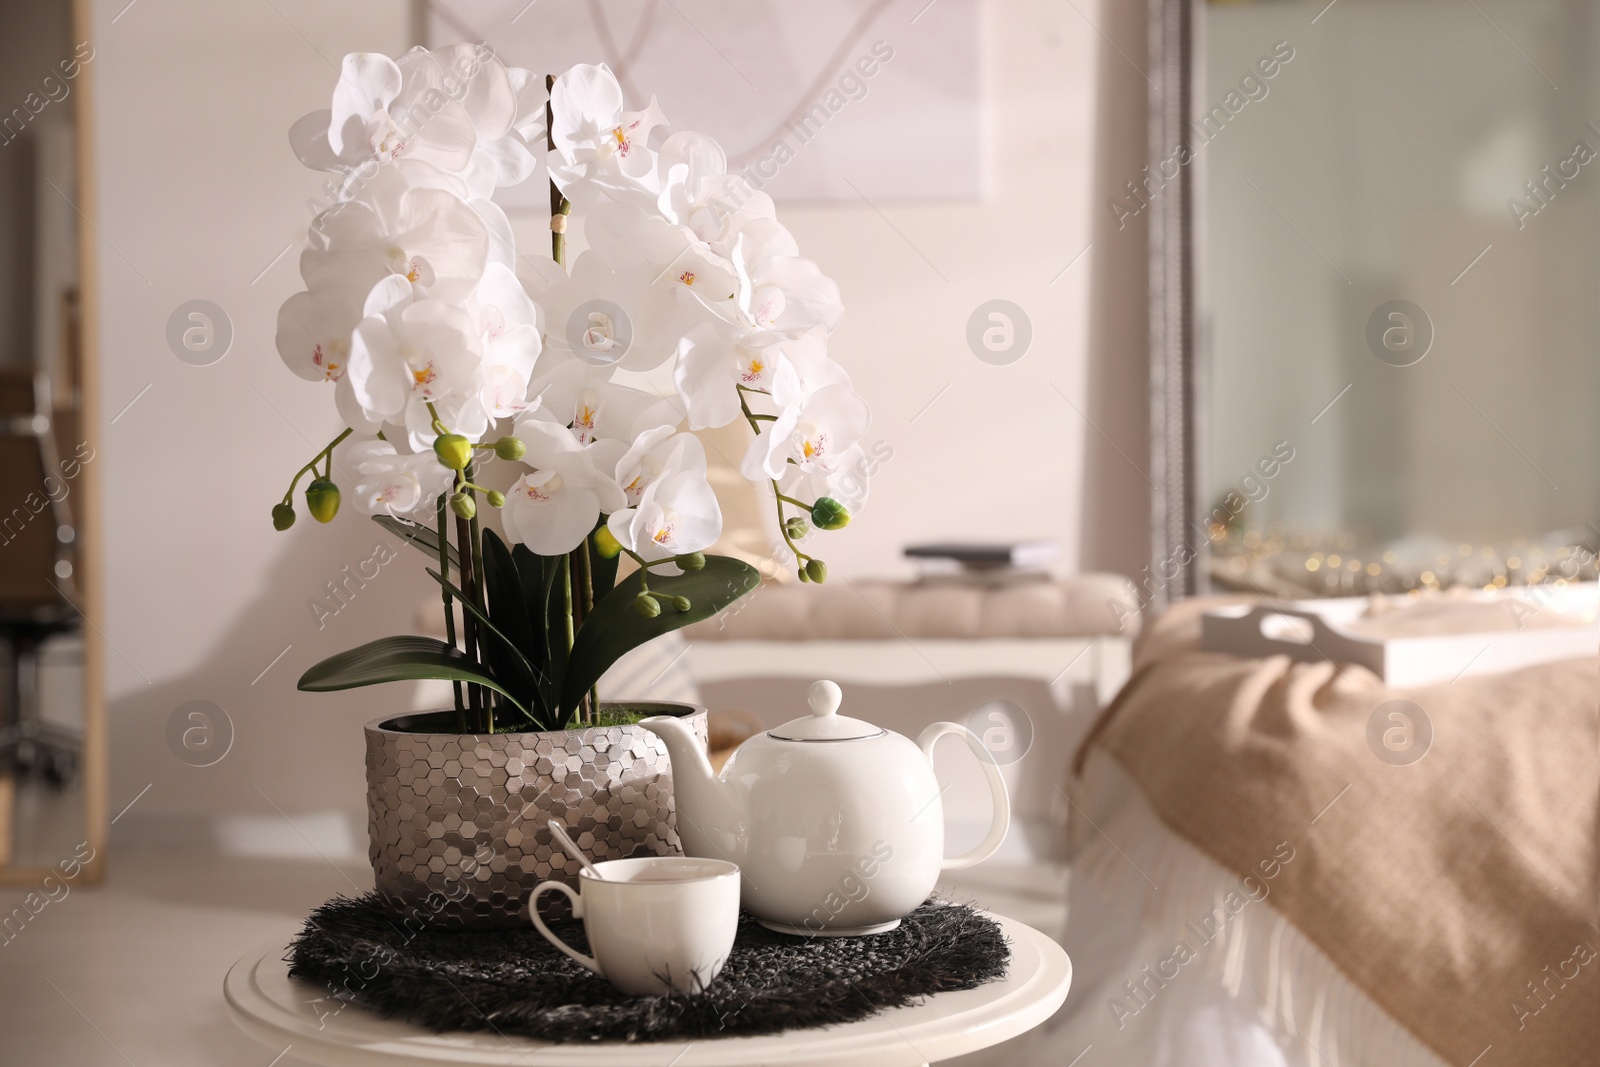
(824, 698)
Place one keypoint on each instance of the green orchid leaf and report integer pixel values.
(508, 605)
(399, 659)
(541, 592)
(509, 664)
(417, 536)
(554, 602)
(614, 627)
(530, 572)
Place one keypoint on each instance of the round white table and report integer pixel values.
(288, 1014)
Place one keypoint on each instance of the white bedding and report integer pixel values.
(1215, 1010)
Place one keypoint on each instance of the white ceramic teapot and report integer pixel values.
(836, 824)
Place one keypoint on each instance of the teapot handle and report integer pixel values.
(997, 790)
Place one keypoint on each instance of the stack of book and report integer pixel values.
(1018, 560)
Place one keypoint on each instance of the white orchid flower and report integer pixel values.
(777, 289)
(476, 79)
(552, 508)
(426, 236)
(815, 428)
(671, 256)
(314, 333)
(697, 192)
(516, 147)
(677, 513)
(686, 164)
(582, 399)
(599, 147)
(847, 482)
(608, 316)
(390, 483)
(457, 97)
(408, 352)
(657, 452)
(714, 365)
(420, 312)
(506, 106)
(508, 331)
(725, 206)
(384, 111)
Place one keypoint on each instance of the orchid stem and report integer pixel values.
(586, 565)
(438, 424)
(325, 453)
(778, 499)
(560, 206)
(749, 415)
(479, 590)
(469, 630)
(566, 592)
(644, 569)
(449, 611)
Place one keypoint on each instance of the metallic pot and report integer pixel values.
(458, 823)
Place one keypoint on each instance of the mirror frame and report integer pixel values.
(1179, 540)
(90, 585)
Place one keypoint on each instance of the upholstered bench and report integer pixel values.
(1069, 632)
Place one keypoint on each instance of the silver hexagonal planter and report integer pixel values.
(458, 823)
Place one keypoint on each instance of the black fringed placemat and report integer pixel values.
(514, 982)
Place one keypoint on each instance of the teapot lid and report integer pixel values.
(824, 723)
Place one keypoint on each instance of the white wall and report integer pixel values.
(999, 454)
(198, 192)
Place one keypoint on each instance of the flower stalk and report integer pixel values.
(311, 468)
(469, 626)
(449, 610)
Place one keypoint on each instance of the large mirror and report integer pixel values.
(1390, 293)
(52, 758)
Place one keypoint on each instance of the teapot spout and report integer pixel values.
(706, 816)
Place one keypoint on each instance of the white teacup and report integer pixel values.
(656, 924)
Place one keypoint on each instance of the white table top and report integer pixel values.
(279, 1011)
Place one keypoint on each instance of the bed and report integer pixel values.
(1259, 879)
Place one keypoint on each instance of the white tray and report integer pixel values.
(1313, 630)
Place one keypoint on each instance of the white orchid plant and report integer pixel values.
(449, 354)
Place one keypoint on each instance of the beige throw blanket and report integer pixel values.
(1459, 891)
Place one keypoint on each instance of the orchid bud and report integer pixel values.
(606, 543)
(453, 450)
(795, 526)
(322, 500)
(681, 603)
(463, 504)
(817, 571)
(828, 514)
(282, 517)
(804, 577)
(646, 605)
(497, 499)
(691, 561)
(510, 448)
